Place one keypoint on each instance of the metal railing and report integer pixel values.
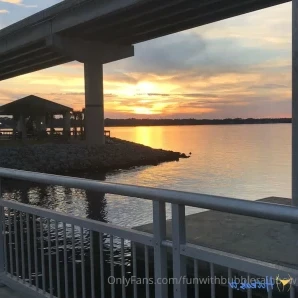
(50, 254)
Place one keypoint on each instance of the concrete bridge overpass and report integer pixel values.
(115, 25)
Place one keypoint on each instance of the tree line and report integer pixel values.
(7, 122)
(164, 122)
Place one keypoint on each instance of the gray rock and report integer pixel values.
(59, 158)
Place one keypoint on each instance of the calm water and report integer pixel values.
(241, 161)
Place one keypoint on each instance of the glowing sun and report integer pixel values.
(145, 87)
(142, 111)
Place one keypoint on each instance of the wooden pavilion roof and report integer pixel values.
(33, 106)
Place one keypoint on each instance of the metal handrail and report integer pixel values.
(182, 251)
(263, 210)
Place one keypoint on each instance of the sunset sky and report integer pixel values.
(240, 67)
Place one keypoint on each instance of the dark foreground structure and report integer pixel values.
(76, 156)
(32, 114)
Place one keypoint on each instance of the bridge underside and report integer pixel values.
(33, 57)
(133, 24)
(154, 19)
(98, 32)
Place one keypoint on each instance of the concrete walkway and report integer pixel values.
(8, 293)
(261, 239)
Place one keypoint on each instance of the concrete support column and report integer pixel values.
(66, 124)
(51, 124)
(22, 127)
(295, 102)
(93, 54)
(94, 103)
(83, 126)
(41, 123)
(14, 127)
(37, 123)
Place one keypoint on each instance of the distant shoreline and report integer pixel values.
(7, 123)
(184, 122)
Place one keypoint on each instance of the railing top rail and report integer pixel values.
(236, 206)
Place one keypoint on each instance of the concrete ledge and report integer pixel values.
(260, 239)
(6, 292)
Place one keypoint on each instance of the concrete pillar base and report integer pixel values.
(94, 131)
(66, 124)
(22, 127)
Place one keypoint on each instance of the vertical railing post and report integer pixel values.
(179, 261)
(2, 235)
(160, 252)
(295, 103)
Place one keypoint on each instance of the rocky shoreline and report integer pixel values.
(71, 157)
